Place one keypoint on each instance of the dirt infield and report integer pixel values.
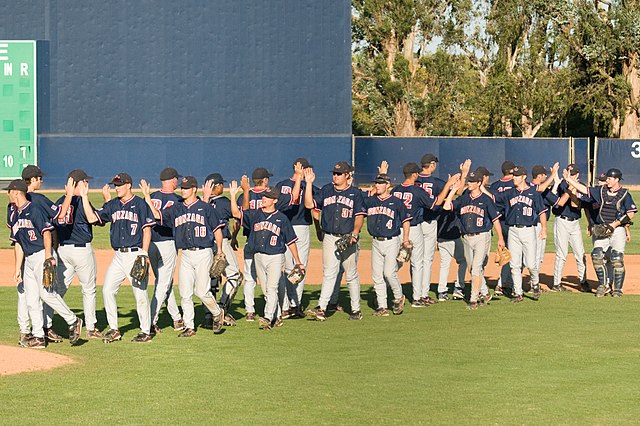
(314, 273)
(14, 360)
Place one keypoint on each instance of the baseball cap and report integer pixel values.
(507, 166)
(31, 171)
(342, 167)
(602, 177)
(428, 158)
(483, 171)
(474, 177)
(79, 175)
(573, 169)
(18, 184)
(614, 173)
(188, 182)
(260, 173)
(410, 168)
(519, 171)
(271, 192)
(169, 173)
(383, 178)
(216, 178)
(303, 161)
(121, 179)
(538, 170)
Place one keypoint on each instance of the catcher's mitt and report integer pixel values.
(601, 230)
(218, 266)
(296, 275)
(140, 268)
(345, 242)
(404, 254)
(49, 276)
(503, 256)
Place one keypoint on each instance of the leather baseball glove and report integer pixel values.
(140, 268)
(404, 254)
(503, 256)
(218, 266)
(345, 242)
(49, 276)
(601, 230)
(296, 275)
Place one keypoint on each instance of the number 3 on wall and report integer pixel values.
(635, 153)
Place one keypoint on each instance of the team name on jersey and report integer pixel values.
(264, 225)
(22, 223)
(124, 215)
(472, 209)
(520, 199)
(188, 217)
(340, 199)
(381, 210)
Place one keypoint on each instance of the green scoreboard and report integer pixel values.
(18, 107)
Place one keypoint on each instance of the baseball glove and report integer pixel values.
(503, 256)
(601, 230)
(296, 275)
(49, 276)
(140, 268)
(218, 266)
(404, 254)
(345, 242)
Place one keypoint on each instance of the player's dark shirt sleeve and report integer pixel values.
(148, 218)
(288, 233)
(213, 219)
(492, 210)
(41, 222)
(104, 214)
(538, 203)
(318, 197)
(167, 216)
(359, 208)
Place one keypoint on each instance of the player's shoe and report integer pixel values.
(355, 316)
(155, 329)
(36, 343)
(486, 298)
(428, 301)
(398, 305)
(418, 303)
(74, 331)
(298, 313)
(229, 321)
(279, 322)
(381, 312)
(458, 295)
(600, 292)
(559, 288)
(250, 316)
(112, 335)
(287, 313)
(208, 321)
(334, 307)
(218, 322)
(616, 293)
(607, 289)
(443, 297)
(499, 291)
(536, 292)
(314, 312)
(178, 325)
(94, 334)
(517, 298)
(188, 332)
(24, 339)
(141, 338)
(472, 306)
(585, 287)
(264, 324)
(52, 336)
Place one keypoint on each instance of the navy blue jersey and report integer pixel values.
(72, 226)
(448, 226)
(50, 208)
(193, 224)
(548, 198)
(591, 209)
(27, 226)
(271, 233)
(567, 211)
(385, 215)
(255, 202)
(222, 205)
(161, 201)
(416, 200)
(339, 208)
(497, 188)
(476, 214)
(298, 214)
(128, 219)
(433, 187)
(522, 207)
(618, 199)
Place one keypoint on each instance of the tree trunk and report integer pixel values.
(507, 126)
(529, 130)
(630, 128)
(404, 123)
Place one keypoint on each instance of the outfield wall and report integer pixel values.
(623, 154)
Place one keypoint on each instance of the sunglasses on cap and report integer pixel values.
(338, 173)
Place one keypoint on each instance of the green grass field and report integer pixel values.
(568, 359)
(101, 234)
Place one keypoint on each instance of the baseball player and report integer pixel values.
(567, 232)
(271, 235)
(451, 247)
(163, 254)
(616, 209)
(416, 201)
(477, 214)
(542, 180)
(75, 254)
(196, 226)
(301, 220)
(131, 221)
(524, 208)
(30, 231)
(592, 210)
(386, 215)
(505, 282)
(342, 214)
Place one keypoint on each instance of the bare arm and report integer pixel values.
(146, 238)
(68, 197)
(577, 185)
(554, 172)
(146, 192)
(244, 184)
(218, 236)
(498, 228)
(235, 211)
(294, 251)
(309, 178)
(19, 258)
(46, 237)
(86, 204)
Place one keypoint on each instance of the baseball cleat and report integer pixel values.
(585, 287)
(428, 301)
(36, 343)
(178, 325)
(616, 293)
(486, 298)
(499, 291)
(458, 295)
(600, 291)
(229, 321)
(313, 312)
(334, 307)
(112, 335)
(74, 331)
(188, 332)
(24, 339)
(155, 329)
(279, 322)
(298, 313)
(418, 303)
(517, 298)
(287, 313)
(250, 316)
(94, 334)
(141, 338)
(443, 297)
(218, 322)
(398, 305)
(381, 312)
(472, 306)
(559, 288)
(536, 292)
(264, 324)
(355, 316)
(52, 336)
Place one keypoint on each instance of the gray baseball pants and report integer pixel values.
(269, 271)
(417, 261)
(523, 242)
(568, 233)
(430, 238)
(449, 250)
(294, 292)
(331, 262)
(384, 269)
(193, 278)
(163, 256)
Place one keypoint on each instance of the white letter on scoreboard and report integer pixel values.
(8, 69)
(24, 69)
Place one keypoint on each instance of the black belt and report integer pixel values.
(471, 234)
(337, 235)
(76, 245)
(127, 249)
(570, 219)
(382, 238)
(523, 226)
(194, 248)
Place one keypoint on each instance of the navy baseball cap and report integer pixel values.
(614, 173)
(79, 175)
(474, 177)
(483, 171)
(383, 178)
(121, 179)
(602, 177)
(507, 167)
(216, 178)
(169, 173)
(573, 169)
(271, 192)
(428, 158)
(31, 171)
(519, 171)
(188, 182)
(260, 173)
(342, 167)
(539, 170)
(303, 161)
(18, 184)
(410, 168)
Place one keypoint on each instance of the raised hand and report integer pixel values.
(309, 175)
(244, 183)
(207, 190)
(383, 168)
(70, 187)
(233, 188)
(145, 187)
(298, 170)
(106, 193)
